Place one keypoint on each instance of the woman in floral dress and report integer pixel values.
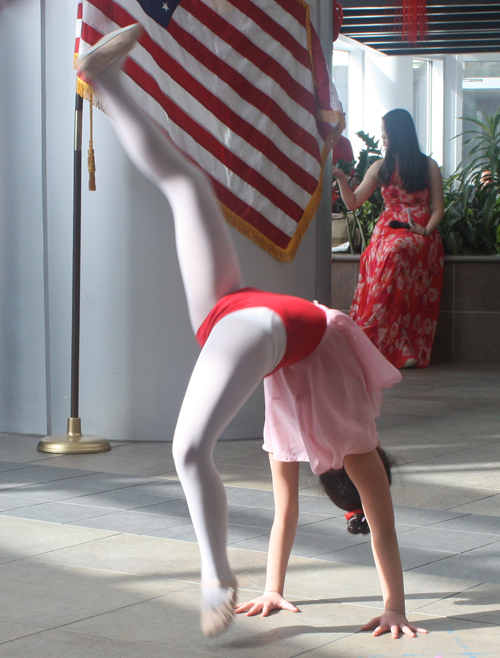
(401, 272)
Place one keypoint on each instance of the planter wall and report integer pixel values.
(469, 319)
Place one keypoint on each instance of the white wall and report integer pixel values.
(453, 73)
(137, 348)
(22, 337)
(377, 83)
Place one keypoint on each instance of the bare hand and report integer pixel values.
(392, 622)
(417, 229)
(264, 604)
(337, 172)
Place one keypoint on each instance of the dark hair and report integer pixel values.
(340, 489)
(403, 153)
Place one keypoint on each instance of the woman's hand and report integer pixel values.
(392, 622)
(413, 227)
(264, 604)
(337, 172)
(418, 230)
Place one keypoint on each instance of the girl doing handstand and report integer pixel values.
(323, 377)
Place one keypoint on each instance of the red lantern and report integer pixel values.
(338, 17)
(413, 17)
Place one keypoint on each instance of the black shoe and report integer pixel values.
(358, 525)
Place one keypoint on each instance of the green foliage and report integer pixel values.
(363, 220)
(471, 222)
(368, 214)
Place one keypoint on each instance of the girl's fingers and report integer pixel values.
(407, 630)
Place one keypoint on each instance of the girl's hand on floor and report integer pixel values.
(392, 622)
(264, 604)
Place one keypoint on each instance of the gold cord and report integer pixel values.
(91, 157)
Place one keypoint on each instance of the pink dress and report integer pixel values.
(400, 278)
(324, 407)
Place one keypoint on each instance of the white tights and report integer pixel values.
(242, 348)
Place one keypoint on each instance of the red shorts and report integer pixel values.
(304, 322)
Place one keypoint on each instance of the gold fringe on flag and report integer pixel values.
(253, 234)
(91, 156)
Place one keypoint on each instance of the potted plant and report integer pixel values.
(360, 223)
(471, 223)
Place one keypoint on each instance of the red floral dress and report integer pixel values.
(401, 274)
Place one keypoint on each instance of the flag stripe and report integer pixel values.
(309, 165)
(250, 94)
(231, 82)
(296, 173)
(247, 50)
(218, 172)
(207, 140)
(272, 28)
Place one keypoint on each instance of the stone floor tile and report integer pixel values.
(326, 548)
(10, 631)
(439, 539)
(471, 468)
(57, 512)
(410, 491)
(170, 508)
(25, 538)
(488, 551)
(114, 462)
(68, 488)
(362, 555)
(423, 588)
(49, 595)
(480, 569)
(263, 518)
(11, 466)
(476, 523)
(226, 450)
(321, 580)
(19, 448)
(319, 505)
(284, 634)
(242, 476)
(489, 506)
(447, 638)
(9, 501)
(148, 450)
(121, 499)
(478, 604)
(244, 496)
(134, 522)
(235, 533)
(258, 543)
(38, 475)
(421, 516)
(145, 555)
(158, 487)
(453, 430)
(52, 644)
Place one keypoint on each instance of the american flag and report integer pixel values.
(242, 87)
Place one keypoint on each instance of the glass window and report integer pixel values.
(422, 72)
(340, 72)
(481, 93)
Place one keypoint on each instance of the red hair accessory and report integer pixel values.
(338, 17)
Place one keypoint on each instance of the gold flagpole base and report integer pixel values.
(74, 442)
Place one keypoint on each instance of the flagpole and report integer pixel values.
(74, 442)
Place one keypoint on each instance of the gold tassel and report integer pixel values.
(91, 157)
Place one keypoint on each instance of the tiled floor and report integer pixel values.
(97, 553)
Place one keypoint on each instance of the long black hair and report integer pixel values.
(403, 153)
(340, 489)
